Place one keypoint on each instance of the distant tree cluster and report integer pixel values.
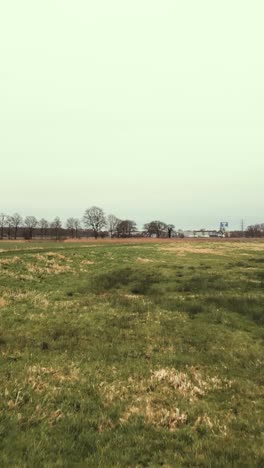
(159, 229)
(14, 227)
(257, 230)
(93, 223)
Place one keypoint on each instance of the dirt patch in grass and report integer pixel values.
(2, 302)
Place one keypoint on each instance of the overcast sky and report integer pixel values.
(147, 108)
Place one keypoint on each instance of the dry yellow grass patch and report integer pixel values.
(50, 263)
(55, 417)
(13, 274)
(51, 267)
(56, 255)
(87, 262)
(213, 425)
(39, 257)
(49, 255)
(36, 298)
(131, 296)
(18, 249)
(10, 261)
(254, 245)
(71, 374)
(46, 378)
(157, 398)
(157, 416)
(191, 385)
(144, 260)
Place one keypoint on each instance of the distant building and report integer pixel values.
(203, 233)
(208, 233)
(188, 233)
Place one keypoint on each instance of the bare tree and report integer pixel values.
(44, 226)
(112, 223)
(70, 225)
(9, 226)
(155, 228)
(16, 221)
(31, 223)
(3, 224)
(56, 225)
(94, 218)
(74, 225)
(77, 226)
(257, 230)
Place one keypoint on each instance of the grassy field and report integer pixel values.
(132, 354)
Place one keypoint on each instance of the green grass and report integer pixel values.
(132, 355)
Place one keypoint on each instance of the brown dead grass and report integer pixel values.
(47, 256)
(50, 378)
(254, 247)
(87, 262)
(49, 263)
(34, 297)
(131, 296)
(182, 250)
(157, 398)
(50, 268)
(155, 415)
(56, 255)
(191, 385)
(144, 260)
(71, 374)
(10, 261)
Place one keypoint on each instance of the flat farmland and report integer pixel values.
(132, 353)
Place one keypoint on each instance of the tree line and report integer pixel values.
(93, 223)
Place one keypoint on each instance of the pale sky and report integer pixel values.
(150, 109)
